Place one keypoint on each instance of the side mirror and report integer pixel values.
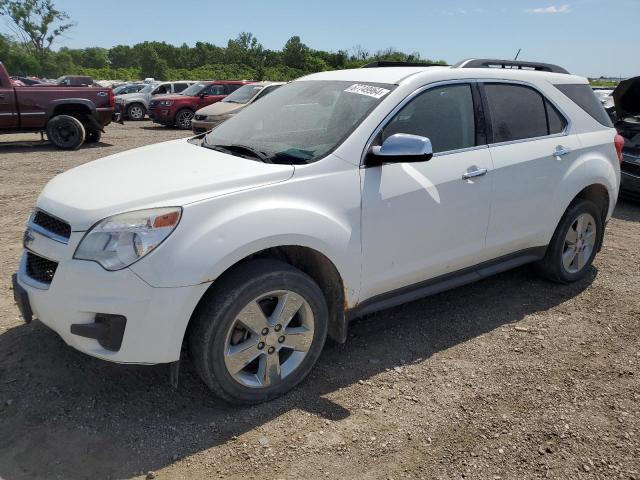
(401, 148)
(202, 95)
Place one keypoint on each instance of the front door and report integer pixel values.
(211, 94)
(427, 219)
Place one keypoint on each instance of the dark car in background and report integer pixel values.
(178, 110)
(626, 118)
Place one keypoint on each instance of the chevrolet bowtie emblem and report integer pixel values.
(27, 238)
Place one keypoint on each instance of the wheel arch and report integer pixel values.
(310, 261)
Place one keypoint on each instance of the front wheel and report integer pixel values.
(136, 112)
(258, 332)
(66, 132)
(574, 244)
(183, 119)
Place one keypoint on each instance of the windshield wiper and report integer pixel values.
(238, 149)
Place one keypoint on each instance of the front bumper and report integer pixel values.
(156, 318)
(163, 116)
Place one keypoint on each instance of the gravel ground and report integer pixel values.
(511, 377)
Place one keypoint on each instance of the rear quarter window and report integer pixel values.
(583, 96)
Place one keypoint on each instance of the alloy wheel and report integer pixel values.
(579, 243)
(269, 339)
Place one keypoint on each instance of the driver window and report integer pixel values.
(215, 90)
(445, 115)
(162, 89)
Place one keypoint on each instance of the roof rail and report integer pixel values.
(511, 64)
(388, 63)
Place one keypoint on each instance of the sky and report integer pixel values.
(587, 37)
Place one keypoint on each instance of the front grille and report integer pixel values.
(631, 168)
(52, 224)
(40, 269)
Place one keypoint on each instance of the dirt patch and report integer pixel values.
(510, 378)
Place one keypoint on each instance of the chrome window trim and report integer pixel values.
(418, 91)
(404, 102)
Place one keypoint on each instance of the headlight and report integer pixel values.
(116, 242)
(166, 103)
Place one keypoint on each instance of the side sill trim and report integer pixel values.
(446, 282)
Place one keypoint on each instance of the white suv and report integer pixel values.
(339, 194)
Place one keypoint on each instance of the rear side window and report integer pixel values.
(584, 97)
(557, 123)
(445, 115)
(516, 112)
(179, 87)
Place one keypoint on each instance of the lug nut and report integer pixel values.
(271, 350)
(265, 331)
(277, 328)
(281, 339)
(260, 345)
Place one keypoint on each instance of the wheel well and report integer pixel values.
(321, 270)
(81, 112)
(599, 195)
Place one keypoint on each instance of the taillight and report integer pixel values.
(618, 141)
(112, 98)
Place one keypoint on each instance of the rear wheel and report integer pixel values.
(258, 332)
(66, 132)
(136, 111)
(183, 119)
(574, 244)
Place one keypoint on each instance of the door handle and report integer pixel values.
(478, 172)
(561, 151)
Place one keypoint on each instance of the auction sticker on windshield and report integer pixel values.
(369, 90)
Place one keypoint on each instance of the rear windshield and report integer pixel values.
(583, 95)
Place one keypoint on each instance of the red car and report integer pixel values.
(179, 109)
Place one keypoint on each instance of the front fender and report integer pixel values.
(215, 235)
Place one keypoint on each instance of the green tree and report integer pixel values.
(151, 65)
(294, 53)
(36, 22)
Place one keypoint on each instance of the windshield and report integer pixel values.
(193, 90)
(301, 121)
(243, 94)
(148, 88)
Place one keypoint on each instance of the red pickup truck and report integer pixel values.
(69, 115)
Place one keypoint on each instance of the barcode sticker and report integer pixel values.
(369, 90)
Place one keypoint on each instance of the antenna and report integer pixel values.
(517, 54)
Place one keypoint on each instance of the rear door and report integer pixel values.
(8, 112)
(531, 152)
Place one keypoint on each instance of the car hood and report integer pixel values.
(220, 108)
(626, 98)
(173, 173)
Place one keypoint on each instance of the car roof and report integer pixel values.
(398, 75)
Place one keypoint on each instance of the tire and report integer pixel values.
(136, 112)
(216, 330)
(183, 119)
(93, 136)
(65, 132)
(574, 245)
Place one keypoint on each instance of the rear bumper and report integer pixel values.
(630, 174)
(630, 184)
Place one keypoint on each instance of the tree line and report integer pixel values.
(242, 57)
(37, 24)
